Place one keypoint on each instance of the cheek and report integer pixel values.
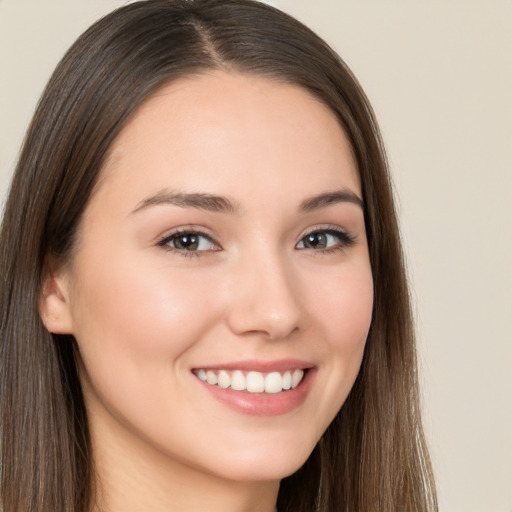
(127, 320)
(344, 314)
(134, 331)
(344, 308)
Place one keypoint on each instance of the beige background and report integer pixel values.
(439, 74)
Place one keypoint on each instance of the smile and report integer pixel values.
(252, 381)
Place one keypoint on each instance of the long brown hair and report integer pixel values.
(373, 456)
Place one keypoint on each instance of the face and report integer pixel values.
(221, 292)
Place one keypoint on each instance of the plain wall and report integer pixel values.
(439, 74)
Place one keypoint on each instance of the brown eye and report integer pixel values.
(190, 241)
(315, 241)
(325, 239)
(186, 242)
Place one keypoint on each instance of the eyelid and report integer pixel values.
(346, 239)
(186, 228)
(164, 240)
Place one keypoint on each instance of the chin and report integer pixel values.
(263, 465)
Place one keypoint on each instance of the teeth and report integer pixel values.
(238, 381)
(224, 380)
(211, 377)
(273, 383)
(253, 382)
(287, 380)
(297, 377)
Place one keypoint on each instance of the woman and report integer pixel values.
(204, 302)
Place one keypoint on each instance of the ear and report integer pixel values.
(54, 305)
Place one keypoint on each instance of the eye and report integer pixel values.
(189, 241)
(325, 240)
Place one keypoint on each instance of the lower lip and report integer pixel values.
(263, 404)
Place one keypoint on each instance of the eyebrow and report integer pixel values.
(219, 204)
(329, 198)
(208, 202)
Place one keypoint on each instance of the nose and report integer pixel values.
(264, 298)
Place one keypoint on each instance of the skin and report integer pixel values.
(144, 315)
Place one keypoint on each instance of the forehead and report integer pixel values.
(247, 129)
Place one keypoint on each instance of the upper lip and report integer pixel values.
(278, 365)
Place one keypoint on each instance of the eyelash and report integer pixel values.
(345, 241)
(166, 240)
